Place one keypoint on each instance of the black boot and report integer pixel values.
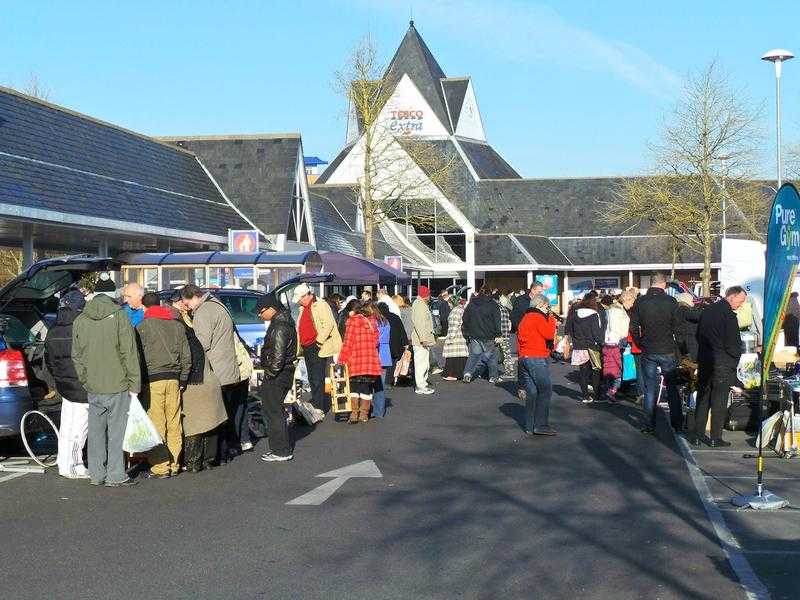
(193, 453)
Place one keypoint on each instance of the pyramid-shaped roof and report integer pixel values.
(413, 58)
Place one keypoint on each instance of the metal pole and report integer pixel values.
(778, 118)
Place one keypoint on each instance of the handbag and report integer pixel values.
(567, 347)
(628, 365)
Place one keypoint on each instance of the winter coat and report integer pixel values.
(689, 317)
(791, 330)
(165, 349)
(481, 319)
(455, 345)
(444, 317)
(104, 348)
(360, 347)
(406, 316)
(328, 338)
(279, 351)
(535, 334)
(422, 322)
(384, 341)
(586, 330)
(617, 324)
(398, 340)
(214, 328)
(519, 306)
(654, 322)
(58, 356)
(202, 405)
(719, 344)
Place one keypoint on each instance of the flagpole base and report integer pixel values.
(764, 501)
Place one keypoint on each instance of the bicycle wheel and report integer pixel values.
(40, 438)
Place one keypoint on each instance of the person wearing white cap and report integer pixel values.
(319, 339)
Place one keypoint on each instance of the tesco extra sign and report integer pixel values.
(243, 240)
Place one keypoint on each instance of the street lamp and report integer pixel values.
(777, 56)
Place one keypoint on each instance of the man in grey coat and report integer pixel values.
(214, 327)
(422, 340)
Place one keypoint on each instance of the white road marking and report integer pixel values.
(752, 477)
(753, 588)
(11, 476)
(318, 495)
(789, 552)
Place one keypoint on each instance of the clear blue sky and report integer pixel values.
(565, 88)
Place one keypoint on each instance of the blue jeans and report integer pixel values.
(637, 360)
(652, 385)
(379, 396)
(482, 351)
(534, 374)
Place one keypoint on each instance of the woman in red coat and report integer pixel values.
(360, 353)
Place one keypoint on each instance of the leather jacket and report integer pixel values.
(280, 345)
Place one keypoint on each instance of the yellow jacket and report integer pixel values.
(328, 338)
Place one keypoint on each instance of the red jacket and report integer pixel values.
(533, 333)
(360, 347)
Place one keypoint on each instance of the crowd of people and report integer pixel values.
(183, 359)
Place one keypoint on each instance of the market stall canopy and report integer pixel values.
(308, 258)
(355, 270)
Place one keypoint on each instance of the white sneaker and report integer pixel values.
(424, 391)
(78, 475)
(247, 446)
(270, 457)
(436, 370)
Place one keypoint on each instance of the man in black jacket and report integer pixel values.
(74, 427)
(655, 325)
(481, 328)
(719, 349)
(278, 356)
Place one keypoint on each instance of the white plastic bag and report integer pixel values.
(140, 433)
(310, 413)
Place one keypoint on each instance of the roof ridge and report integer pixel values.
(225, 137)
(75, 113)
(464, 78)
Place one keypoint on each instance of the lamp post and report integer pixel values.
(778, 56)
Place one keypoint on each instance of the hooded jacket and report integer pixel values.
(104, 349)
(481, 319)
(586, 330)
(165, 348)
(214, 327)
(58, 356)
(280, 345)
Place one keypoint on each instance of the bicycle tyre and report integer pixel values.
(50, 460)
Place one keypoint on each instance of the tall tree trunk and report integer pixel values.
(367, 204)
(707, 239)
(674, 258)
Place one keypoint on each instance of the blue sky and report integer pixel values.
(565, 88)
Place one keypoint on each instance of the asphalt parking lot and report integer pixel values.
(465, 505)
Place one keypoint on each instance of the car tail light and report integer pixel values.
(12, 369)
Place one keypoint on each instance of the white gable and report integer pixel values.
(469, 121)
(408, 113)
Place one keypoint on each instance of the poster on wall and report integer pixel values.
(243, 240)
(606, 283)
(743, 263)
(396, 262)
(550, 283)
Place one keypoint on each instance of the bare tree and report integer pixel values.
(34, 87)
(399, 175)
(702, 165)
(10, 264)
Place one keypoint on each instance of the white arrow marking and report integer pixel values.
(318, 495)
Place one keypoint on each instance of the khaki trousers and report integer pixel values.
(165, 413)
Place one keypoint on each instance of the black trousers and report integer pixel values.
(316, 366)
(589, 375)
(236, 430)
(273, 391)
(713, 387)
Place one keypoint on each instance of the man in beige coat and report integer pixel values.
(422, 339)
(318, 340)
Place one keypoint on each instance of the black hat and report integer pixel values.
(266, 301)
(72, 299)
(105, 284)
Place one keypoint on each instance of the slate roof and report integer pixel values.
(58, 160)
(256, 172)
(548, 207)
(413, 58)
(455, 88)
(627, 250)
(331, 168)
(488, 164)
(542, 250)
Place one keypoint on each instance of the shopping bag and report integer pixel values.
(140, 433)
(309, 412)
(628, 365)
(403, 365)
